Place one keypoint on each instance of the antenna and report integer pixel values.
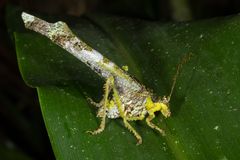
(184, 60)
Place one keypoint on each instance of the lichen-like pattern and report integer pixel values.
(124, 97)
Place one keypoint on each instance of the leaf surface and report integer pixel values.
(205, 104)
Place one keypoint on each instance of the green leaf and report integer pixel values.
(205, 104)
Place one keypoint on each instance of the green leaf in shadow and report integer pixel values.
(205, 104)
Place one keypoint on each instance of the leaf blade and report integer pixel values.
(204, 105)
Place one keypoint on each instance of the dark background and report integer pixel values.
(22, 131)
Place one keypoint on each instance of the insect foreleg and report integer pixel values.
(107, 89)
(152, 125)
(125, 119)
(131, 129)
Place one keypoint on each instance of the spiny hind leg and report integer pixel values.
(125, 119)
(102, 109)
(152, 125)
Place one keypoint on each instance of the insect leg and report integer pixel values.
(131, 129)
(137, 118)
(125, 119)
(153, 126)
(97, 104)
(107, 89)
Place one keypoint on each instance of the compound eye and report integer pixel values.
(165, 100)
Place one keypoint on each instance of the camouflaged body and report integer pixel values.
(132, 96)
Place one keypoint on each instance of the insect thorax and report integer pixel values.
(132, 97)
